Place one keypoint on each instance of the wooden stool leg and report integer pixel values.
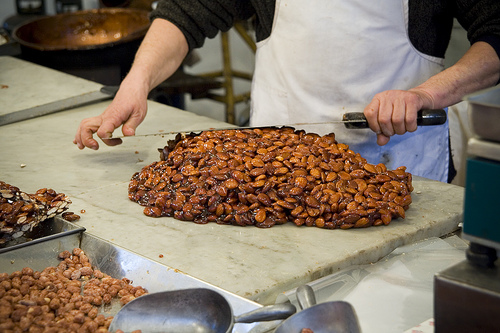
(227, 74)
(228, 78)
(245, 36)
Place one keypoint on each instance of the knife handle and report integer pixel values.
(425, 117)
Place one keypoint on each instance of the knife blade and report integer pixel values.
(351, 120)
(106, 92)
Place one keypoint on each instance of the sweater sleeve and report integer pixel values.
(481, 19)
(430, 23)
(201, 19)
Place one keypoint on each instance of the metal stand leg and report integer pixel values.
(481, 255)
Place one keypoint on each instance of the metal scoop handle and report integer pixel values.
(267, 313)
(305, 296)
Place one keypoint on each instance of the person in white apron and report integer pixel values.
(322, 59)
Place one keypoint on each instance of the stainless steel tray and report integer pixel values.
(46, 230)
(484, 113)
(118, 263)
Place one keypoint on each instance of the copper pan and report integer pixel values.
(83, 30)
(98, 44)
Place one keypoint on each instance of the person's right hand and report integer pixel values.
(394, 112)
(128, 109)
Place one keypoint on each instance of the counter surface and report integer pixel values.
(258, 264)
(254, 263)
(25, 85)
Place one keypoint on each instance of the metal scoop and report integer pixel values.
(329, 317)
(189, 310)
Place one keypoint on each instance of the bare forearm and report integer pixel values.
(479, 68)
(162, 51)
(160, 54)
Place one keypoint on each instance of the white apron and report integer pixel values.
(327, 57)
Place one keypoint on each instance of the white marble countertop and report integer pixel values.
(25, 85)
(252, 262)
(258, 264)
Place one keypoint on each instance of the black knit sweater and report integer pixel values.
(429, 25)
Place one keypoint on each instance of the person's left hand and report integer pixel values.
(395, 112)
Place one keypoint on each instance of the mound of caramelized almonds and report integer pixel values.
(269, 176)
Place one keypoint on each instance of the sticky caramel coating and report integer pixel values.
(20, 212)
(270, 176)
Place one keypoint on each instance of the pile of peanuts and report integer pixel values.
(269, 176)
(21, 212)
(66, 298)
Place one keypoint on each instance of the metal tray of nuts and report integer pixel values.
(46, 230)
(118, 263)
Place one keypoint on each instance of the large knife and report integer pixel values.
(351, 120)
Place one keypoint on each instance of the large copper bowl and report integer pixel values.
(83, 30)
(98, 44)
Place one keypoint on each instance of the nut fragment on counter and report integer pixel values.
(70, 216)
(20, 212)
(65, 298)
(270, 176)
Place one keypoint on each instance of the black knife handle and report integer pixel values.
(431, 117)
(426, 117)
